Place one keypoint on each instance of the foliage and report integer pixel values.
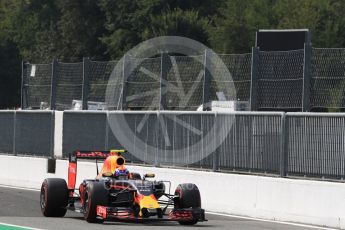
(38, 30)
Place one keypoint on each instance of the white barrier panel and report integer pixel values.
(58, 134)
(302, 201)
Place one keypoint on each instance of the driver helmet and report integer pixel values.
(121, 172)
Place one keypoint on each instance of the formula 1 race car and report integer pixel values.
(119, 197)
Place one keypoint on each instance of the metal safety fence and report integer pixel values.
(219, 141)
(285, 144)
(310, 79)
(27, 133)
(328, 79)
(315, 144)
(165, 82)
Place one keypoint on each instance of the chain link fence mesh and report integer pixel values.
(143, 83)
(37, 85)
(280, 80)
(185, 83)
(239, 66)
(115, 87)
(328, 78)
(99, 75)
(69, 84)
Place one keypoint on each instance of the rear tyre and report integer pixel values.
(54, 197)
(95, 194)
(188, 197)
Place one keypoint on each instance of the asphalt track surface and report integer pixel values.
(21, 207)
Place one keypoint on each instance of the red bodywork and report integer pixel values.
(72, 167)
(108, 213)
(111, 213)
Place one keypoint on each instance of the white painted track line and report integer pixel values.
(20, 188)
(211, 213)
(18, 226)
(272, 221)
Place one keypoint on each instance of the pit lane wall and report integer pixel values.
(301, 201)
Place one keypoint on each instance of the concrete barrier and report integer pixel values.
(58, 134)
(301, 201)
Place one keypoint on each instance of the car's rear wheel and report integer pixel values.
(188, 197)
(95, 194)
(54, 197)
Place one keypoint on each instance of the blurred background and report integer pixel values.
(39, 30)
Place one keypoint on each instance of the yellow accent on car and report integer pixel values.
(118, 151)
(149, 202)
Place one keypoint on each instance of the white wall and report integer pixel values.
(304, 201)
(58, 133)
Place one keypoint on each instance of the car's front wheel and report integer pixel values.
(188, 197)
(95, 194)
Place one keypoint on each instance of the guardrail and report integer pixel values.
(27, 133)
(285, 144)
(315, 144)
(219, 141)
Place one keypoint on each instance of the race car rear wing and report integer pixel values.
(92, 155)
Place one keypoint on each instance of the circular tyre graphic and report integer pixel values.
(160, 137)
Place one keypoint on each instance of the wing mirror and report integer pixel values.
(149, 175)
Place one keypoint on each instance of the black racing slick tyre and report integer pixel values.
(188, 197)
(54, 197)
(96, 194)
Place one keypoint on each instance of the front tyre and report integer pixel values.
(54, 197)
(95, 194)
(188, 197)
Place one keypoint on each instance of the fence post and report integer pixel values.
(207, 82)
(163, 77)
(284, 145)
(22, 95)
(254, 79)
(14, 133)
(125, 72)
(215, 155)
(86, 77)
(306, 77)
(52, 134)
(215, 161)
(106, 141)
(53, 84)
(158, 136)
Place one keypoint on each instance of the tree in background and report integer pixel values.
(38, 30)
(9, 66)
(131, 22)
(9, 74)
(32, 26)
(80, 26)
(316, 15)
(234, 31)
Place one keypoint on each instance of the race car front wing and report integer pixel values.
(124, 213)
